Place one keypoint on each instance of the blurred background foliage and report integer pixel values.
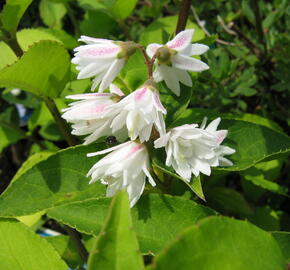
(248, 79)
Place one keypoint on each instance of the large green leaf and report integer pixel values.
(151, 217)
(283, 239)
(12, 13)
(220, 243)
(116, 246)
(43, 70)
(22, 249)
(57, 180)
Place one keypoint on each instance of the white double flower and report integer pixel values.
(173, 60)
(126, 167)
(102, 59)
(193, 150)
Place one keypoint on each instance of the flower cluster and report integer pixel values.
(190, 149)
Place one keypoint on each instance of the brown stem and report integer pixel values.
(62, 125)
(183, 15)
(149, 62)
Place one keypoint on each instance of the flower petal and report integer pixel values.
(111, 73)
(188, 63)
(152, 48)
(181, 40)
(116, 90)
(198, 49)
(170, 79)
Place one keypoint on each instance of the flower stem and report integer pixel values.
(149, 62)
(61, 123)
(183, 15)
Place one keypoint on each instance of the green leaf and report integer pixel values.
(151, 216)
(67, 249)
(195, 183)
(31, 161)
(57, 180)
(263, 175)
(22, 249)
(228, 201)
(52, 13)
(12, 13)
(43, 70)
(174, 105)
(283, 240)
(117, 247)
(7, 56)
(266, 218)
(154, 33)
(220, 243)
(27, 37)
(122, 9)
(9, 129)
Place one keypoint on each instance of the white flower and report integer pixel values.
(173, 60)
(90, 115)
(101, 58)
(139, 112)
(126, 167)
(191, 150)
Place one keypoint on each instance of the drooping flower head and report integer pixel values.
(126, 167)
(102, 59)
(192, 150)
(140, 112)
(173, 60)
(90, 115)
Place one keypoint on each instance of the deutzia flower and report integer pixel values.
(101, 58)
(140, 111)
(173, 60)
(193, 150)
(90, 114)
(126, 167)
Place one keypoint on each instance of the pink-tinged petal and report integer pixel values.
(88, 96)
(90, 40)
(170, 79)
(152, 48)
(212, 126)
(112, 72)
(198, 49)
(188, 63)
(183, 77)
(181, 41)
(140, 94)
(110, 50)
(134, 149)
(108, 150)
(116, 90)
(158, 102)
(220, 136)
